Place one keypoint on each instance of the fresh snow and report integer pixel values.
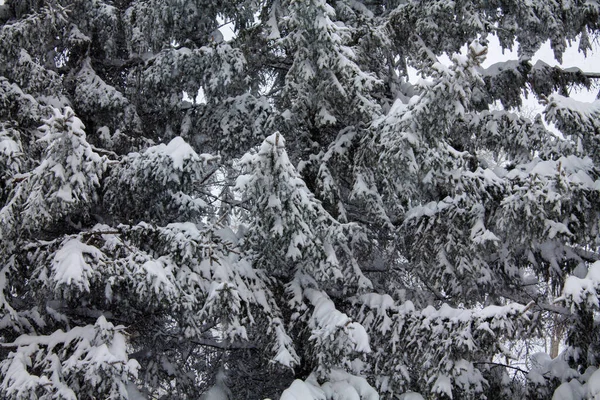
(177, 150)
(327, 320)
(580, 290)
(587, 110)
(70, 266)
(339, 385)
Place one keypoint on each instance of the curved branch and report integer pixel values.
(502, 365)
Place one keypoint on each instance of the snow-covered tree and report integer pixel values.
(284, 213)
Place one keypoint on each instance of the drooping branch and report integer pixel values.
(495, 364)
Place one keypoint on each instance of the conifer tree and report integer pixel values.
(314, 224)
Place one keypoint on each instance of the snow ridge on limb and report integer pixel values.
(572, 116)
(110, 108)
(28, 111)
(541, 78)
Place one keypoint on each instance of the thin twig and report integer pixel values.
(501, 365)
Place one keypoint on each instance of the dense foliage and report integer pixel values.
(314, 225)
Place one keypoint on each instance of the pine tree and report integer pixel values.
(317, 226)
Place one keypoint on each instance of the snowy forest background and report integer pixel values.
(315, 225)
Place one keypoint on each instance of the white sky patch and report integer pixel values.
(227, 29)
(199, 99)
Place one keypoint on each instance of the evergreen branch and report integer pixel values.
(211, 173)
(495, 364)
(282, 66)
(433, 290)
(98, 233)
(228, 346)
(104, 151)
(230, 202)
(541, 306)
(586, 255)
(224, 346)
(19, 178)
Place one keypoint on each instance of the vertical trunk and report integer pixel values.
(557, 335)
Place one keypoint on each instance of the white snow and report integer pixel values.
(443, 385)
(160, 273)
(301, 390)
(9, 147)
(578, 290)
(585, 109)
(480, 235)
(325, 117)
(274, 202)
(594, 385)
(285, 353)
(81, 350)
(339, 385)
(179, 152)
(571, 390)
(358, 385)
(70, 266)
(326, 320)
(411, 396)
